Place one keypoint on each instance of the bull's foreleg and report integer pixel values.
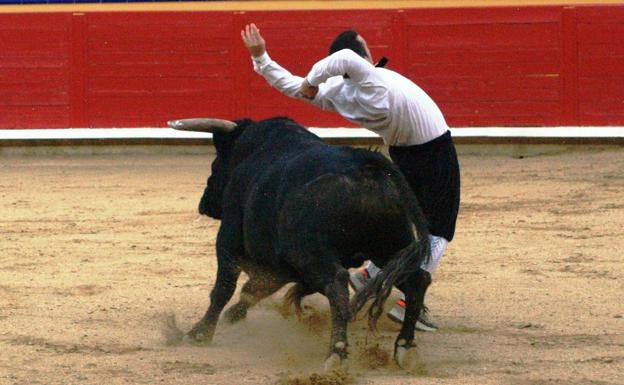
(258, 287)
(414, 289)
(222, 292)
(337, 292)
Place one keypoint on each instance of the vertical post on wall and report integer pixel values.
(77, 74)
(240, 69)
(569, 82)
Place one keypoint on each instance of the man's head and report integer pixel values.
(350, 39)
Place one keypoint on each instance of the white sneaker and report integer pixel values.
(359, 278)
(397, 314)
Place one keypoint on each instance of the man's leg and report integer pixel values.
(359, 278)
(397, 313)
(432, 171)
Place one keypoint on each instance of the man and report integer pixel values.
(399, 111)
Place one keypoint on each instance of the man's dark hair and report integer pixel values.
(347, 39)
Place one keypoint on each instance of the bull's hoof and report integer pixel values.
(337, 360)
(404, 352)
(235, 314)
(197, 339)
(333, 362)
(199, 335)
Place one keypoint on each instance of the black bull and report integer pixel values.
(294, 209)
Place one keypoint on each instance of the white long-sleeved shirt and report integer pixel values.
(378, 99)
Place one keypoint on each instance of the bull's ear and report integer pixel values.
(202, 125)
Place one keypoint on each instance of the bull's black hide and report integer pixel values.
(294, 209)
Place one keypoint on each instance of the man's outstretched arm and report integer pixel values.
(273, 73)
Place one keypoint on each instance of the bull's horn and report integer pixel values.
(202, 125)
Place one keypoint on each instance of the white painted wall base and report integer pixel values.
(329, 133)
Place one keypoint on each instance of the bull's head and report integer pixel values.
(224, 136)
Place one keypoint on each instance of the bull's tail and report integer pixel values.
(294, 296)
(403, 263)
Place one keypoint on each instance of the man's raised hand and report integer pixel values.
(253, 40)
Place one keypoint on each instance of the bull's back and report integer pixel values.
(276, 174)
(358, 212)
(325, 198)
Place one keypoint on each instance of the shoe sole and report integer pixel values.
(419, 325)
(355, 286)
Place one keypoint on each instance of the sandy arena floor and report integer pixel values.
(97, 252)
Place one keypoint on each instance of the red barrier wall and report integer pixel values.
(509, 66)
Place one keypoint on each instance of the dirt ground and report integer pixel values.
(97, 252)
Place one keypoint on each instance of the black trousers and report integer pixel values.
(432, 171)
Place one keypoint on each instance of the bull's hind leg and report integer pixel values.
(293, 298)
(224, 288)
(336, 290)
(414, 289)
(258, 287)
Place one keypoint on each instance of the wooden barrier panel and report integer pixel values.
(503, 66)
(489, 68)
(34, 70)
(600, 66)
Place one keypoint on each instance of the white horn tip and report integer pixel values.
(175, 124)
